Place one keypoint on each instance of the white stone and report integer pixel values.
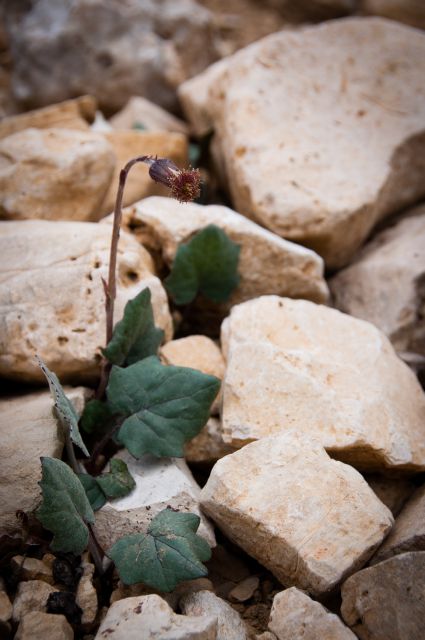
(267, 263)
(309, 519)
(387, 289)
(292, 364)
(295, 616)
(230, 625)
(52, 299)
(321, 129)
(54, 174)
(28, 431)
(141, 112)
(160, 483)
(151, 618)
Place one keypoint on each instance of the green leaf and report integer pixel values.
(165, 405)
(93, 491)
(96, 417)
(135, 336)
(65, 508)
(119, 482)
(64, 408)
(208, 264)
(170, 552)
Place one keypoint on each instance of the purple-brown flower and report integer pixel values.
(185, 184)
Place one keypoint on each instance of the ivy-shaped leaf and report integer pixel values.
(208, 264)
(65, 508)
(165, 405)
(94, 493)
(118, 482)
(135, 336)
(170, 552)
(64, 408)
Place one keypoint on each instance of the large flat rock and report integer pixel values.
(309, 519)
(52, 299)
(292, 364)
(320, 130)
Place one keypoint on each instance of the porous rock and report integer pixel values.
(230, 625)
(31, 596)
(54, 174)
(109, 50)
(28, 431)
(356, 82)
(151, 618)
(37, 625)
(52, 299)
(131, 144)
(385, 288)
(408, 533)
(86, 595)
(295, 616)
(32, 569)
(144, 114)
(324, 373)
(267, 263)
(386, 601)
(309, 533)
(160, 483)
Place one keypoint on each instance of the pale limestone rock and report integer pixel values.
(309, 519)
(110, 50)
(387, 289)
(321, 130)
(295, 616)
(324, 373)
(172, 598)
(408, 533)
(151, 618)
(54, 174)
(131, 144)
(32, 568)
(5, 608)
(86, 595)
(52, 299)
(267, 263)
(208, 446)
(393, 492)
(386, 601)
(31, 596)
(230, 625)
(160, 482)
(37, 625)
(245, 589)
(139, 112)
(409, 11)
(197, 352)
(71, 114)
(28, 431)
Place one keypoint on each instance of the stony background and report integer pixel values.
(307, 120)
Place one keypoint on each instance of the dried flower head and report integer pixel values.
(184, 183)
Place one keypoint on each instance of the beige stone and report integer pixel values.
(393, 492)
(37, 625)
(151, 618)
(208, 446)
(71, 114)
(324, 373)
(267, 263)
(197, 352)
(245, 589)
(28, 431)
(408, 533)
(86, 595)
(409, 11)
(160, 483)
(131, 144)
(386, 602)
(52, 299)
(54, 174)
(31, 596)
(309, 519)
(295, 616)
(276, 105)
(5, 608)
(32, 568)
(230, 625)
(139, 112)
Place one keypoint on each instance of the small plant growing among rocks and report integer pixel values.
(144, 405)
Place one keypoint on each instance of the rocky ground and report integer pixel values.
(307, 120)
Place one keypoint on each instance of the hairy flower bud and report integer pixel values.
(184, 183)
